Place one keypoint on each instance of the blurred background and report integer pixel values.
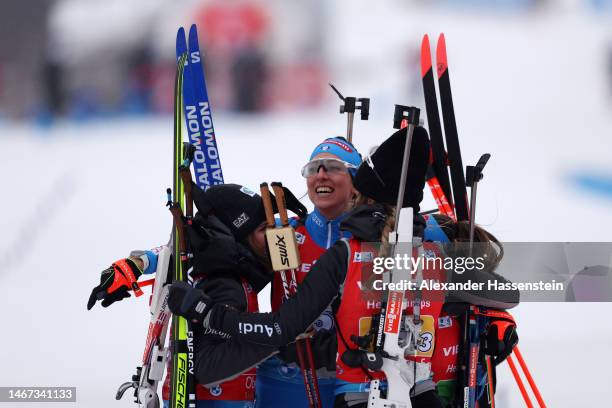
(85, 150)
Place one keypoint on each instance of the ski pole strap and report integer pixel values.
(294, 205)
(289, 288)
(494, 314)
(148, 282)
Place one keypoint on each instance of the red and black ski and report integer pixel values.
(437, 177)
(450, 132)
(440, 161)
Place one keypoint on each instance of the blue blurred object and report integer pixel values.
(601, 5)
(596, 183)
(43, 118)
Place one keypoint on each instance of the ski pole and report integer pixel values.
(530, 380)
(473, 176)
(284, 255)
(411, 116)
(302, 344)
(471, 328)
(503, 320)
(519, 382)
(391, 319)
(490, 386)
(351, 104)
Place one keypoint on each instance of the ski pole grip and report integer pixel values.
(364, 108)
(280, 202)
(410, 114)
(350, 102)
(267, 203)
(473, 174)
(177, 216)
(185, 174)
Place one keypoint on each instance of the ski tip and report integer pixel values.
(442, 40)
(193, 30)
(180, 35)
(181, 43)
(441, 60)
(425, 55)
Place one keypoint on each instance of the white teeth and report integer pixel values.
(324, 190)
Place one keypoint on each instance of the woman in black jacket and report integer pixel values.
(230, 263)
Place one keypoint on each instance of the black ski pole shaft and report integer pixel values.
(411, 115)
(473, 176)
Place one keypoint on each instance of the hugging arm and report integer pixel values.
(316, 292)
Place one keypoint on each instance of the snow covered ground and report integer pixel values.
(530, 91)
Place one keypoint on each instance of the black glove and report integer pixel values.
(500, 340)
(191, 303)
(115, 283)
(428, 399)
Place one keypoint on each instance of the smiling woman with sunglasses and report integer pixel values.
(328, 173)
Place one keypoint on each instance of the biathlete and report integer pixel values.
(328, 173)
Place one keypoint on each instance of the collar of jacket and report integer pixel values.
(324, 232)
(367, 222)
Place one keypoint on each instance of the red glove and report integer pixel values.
(115, 283)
